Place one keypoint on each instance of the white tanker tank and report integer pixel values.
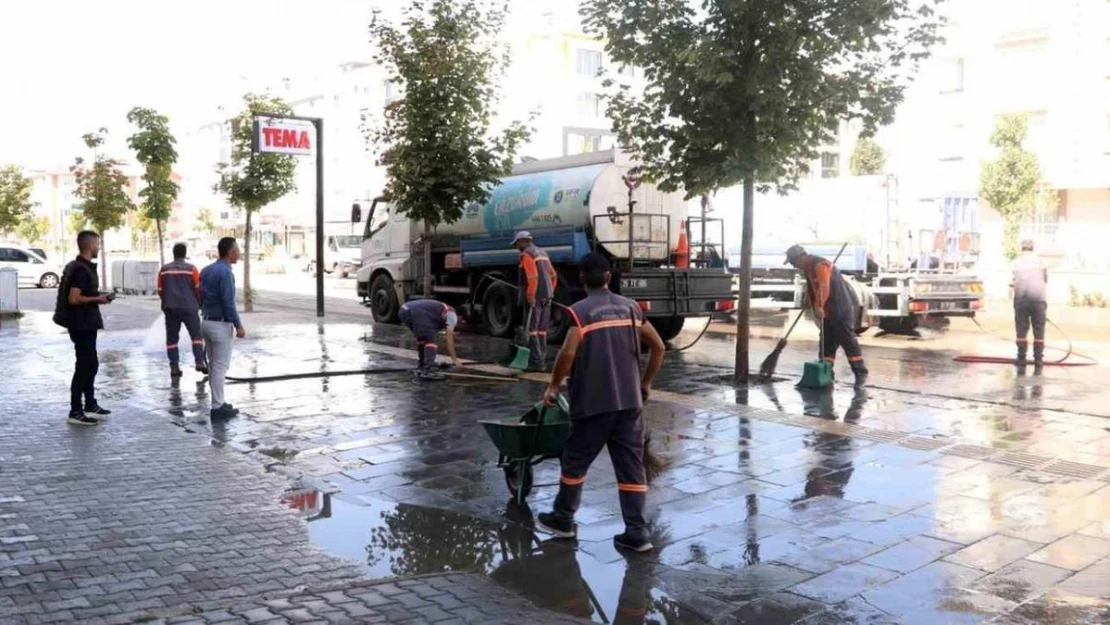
(579, 192)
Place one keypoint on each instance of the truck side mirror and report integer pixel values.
(356, 213)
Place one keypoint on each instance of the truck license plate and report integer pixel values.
(633, 283)
(944, 306)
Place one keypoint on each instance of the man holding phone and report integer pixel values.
(78, 310)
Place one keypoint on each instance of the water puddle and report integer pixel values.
(397, 539)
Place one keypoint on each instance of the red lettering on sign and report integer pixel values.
(268, 136)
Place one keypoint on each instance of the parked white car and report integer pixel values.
(33, 269)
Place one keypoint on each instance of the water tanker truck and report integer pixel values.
(571, 206)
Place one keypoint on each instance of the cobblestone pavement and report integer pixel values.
(778, 506)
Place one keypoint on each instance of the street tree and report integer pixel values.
(868, 158)
(748, 91)
(252, 181)
(436, 141)
(32, 229)
(102, 188)
(206, 221)
(153, 144)
(1012, 183)
(15, 198)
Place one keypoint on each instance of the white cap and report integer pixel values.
(523, 234)
(452, 319)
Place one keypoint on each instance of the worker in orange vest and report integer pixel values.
(538, 280)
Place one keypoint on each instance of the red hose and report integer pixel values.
(1001, 360)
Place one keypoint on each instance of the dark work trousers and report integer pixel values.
(1028, 313)
(623, 433)
(84, 372)
(539, 322)
(191, 319)
(426, 348)
(840, 332)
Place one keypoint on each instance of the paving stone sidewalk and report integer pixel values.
(139, 519)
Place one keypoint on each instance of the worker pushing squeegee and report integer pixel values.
(834, 305)
(427, 318)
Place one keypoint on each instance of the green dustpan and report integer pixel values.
(816, 374)
(519, 355)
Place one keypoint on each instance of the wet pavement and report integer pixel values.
(778, 506)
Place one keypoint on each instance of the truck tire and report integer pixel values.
(898, 325)
(383, 299)
(668, 327)
(498, 310)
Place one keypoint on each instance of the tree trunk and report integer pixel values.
(161, 245)
(248, 300)
(744, 303)
(427, 258)
(103, 264)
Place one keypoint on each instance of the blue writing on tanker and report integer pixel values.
(517, 200)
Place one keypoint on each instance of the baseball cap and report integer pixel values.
(523, 234)
(595, 263)
(794, 252)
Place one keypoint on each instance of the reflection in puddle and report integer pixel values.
(395, 540)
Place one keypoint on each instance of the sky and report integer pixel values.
(68, 67)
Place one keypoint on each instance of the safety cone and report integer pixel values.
(682, 252)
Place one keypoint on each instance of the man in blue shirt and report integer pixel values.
(221, 321)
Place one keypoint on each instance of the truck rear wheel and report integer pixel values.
(383, 299)
(498, 307)
(898, 325)
(668, 327)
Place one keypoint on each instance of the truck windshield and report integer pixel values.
(352, 240)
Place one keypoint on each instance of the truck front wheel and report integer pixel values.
(497, 310)
(668, 327)
(383, 299)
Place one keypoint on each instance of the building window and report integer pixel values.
(627, 71)
(589, 62)
(391, 92)
(589, 105)
(830, 165)
(953, 79)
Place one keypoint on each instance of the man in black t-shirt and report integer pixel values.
(78, 310)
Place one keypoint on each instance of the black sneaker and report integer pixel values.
(552, 525)
(639, 545)
(223, 412)
(228, 406)
(97, 410)
(76, 417)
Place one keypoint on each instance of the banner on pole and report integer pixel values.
(281, 136)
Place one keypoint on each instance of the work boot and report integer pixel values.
(1038, 366)
(558, 528)
(1020, 361)
(175, 371)
(638, 545)
(202, 368)
(861, 372)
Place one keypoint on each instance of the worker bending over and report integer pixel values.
(607, 392)
(834, 308)
(427, 318)
(538, 280)
(1030, 284)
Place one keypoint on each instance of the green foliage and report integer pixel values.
(754, 88)
(1012, 183)
(436, 142)
(1094, 299)
(206, 222)
(15, 198)
(103, 189)
(76, 222)
(868, 159)
(748, 91)
(33, 229)
(153, 144)
(253, 181)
